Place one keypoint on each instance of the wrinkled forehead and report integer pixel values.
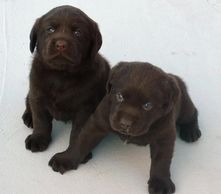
(141, 84)
(137, 77)
(142, 89)
(135, 95)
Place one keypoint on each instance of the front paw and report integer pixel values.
(62, 162)
(37, 142)
(161, 186)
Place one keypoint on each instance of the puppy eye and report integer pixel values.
(77, 32)
(147, 106)
(119, 97)
(50, 29)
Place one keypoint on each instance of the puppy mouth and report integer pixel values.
(61, 57)
(128, 131)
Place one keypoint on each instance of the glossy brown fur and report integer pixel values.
(66, 81)
(138, 84)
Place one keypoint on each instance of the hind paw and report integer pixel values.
(190, 135)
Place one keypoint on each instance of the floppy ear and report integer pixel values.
(171, 92)
(113, 75)
(96, 40)
(33, 36)
(109, 82)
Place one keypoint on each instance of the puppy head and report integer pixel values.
(65, 38)
(140, 94)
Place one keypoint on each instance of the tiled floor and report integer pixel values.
(182, 37)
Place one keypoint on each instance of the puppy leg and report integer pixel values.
(79, 121)
(189, 130)
(42, 123)
(187, 121)
(77, 124)
(80, 150)
(161, 155)
(27, 115)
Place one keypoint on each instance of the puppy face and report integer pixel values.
(65, 38)
(140, 94)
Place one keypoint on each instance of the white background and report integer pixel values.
(181, 36)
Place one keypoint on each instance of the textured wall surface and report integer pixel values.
(181, 36)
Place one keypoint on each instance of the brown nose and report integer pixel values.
(125, 124)
(61, 45)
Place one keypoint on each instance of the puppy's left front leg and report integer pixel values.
(42, 123)
(79, 151)
(82, 142)
(161, 155)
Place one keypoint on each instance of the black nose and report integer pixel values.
(61, 45)
(125, 124)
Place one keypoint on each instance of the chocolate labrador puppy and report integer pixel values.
(68, 76)
(143, 105)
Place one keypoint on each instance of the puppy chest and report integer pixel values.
(64, 105)
(65, 97)
(60, 111)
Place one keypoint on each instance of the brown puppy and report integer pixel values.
(68, 76)
(143, 105)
